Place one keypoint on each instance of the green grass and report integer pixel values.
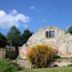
(63, 69)
(8, 67)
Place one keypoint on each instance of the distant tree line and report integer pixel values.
(14, 37)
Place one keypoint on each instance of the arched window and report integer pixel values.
(50, 34)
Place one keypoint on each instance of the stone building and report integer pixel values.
(53, 36)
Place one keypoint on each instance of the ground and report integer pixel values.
(63, 69)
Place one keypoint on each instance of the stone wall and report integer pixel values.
(2, 53)
(61, 62)
(24, 63)
(62, 42)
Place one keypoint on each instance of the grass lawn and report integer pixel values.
(63, 69)
(8, 67)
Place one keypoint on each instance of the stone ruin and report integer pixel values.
(53, 36)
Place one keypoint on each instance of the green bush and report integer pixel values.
(8, 67)
(70, 65)
(57, 57)
(41, 55)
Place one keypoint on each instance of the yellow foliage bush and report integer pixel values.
(41, 55)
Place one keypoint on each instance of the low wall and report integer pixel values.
(2, 53)
(61, 62)
(25, 63)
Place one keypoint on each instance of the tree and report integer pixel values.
(3, 40)
(26, 34)
(14, 38)
(70, 30)
(41, 55)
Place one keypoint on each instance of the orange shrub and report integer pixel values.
(41, 55)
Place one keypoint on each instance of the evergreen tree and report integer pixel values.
(26, 34)
(3, 40)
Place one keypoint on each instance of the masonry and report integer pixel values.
(53, 36)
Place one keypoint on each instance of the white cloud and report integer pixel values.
(13, 18)
(32, 7)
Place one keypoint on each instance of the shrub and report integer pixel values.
(57, 57)
(8, 67)
(41, 55)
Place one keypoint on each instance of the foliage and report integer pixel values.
(14, 36)
(70, 30)
(3, 40)
(26, 34)
(57, 57)
(14, 39)
(8, 67)
(70, 65)
(41, 55)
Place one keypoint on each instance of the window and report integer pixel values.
(47, 34)
(50, 34)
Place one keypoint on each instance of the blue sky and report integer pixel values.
(34, 14)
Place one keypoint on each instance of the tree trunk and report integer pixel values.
(16, 51)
